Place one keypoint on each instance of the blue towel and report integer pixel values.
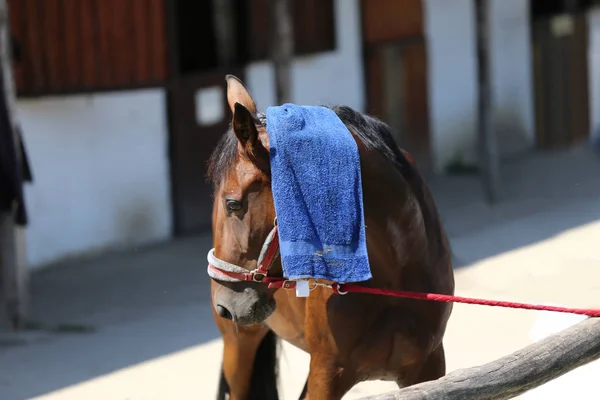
(317, 188)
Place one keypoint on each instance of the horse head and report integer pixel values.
(243, 209)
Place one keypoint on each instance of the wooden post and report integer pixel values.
(13, 259)
(282, 48)
(488, 149)
(513, 374)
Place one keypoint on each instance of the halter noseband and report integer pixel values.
(224, 271)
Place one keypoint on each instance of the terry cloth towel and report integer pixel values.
(317, 188)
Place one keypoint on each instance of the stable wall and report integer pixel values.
(337, 77)
(334, 77)
(100, 169)
(512, 75)
(451, 35)
(100, 161)
(594, 65)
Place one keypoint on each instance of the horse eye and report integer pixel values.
(233, 205)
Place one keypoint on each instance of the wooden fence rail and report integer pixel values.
(514, 374)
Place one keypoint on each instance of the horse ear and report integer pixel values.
(244, 126)
(237, 93)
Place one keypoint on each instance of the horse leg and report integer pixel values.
(433, 368)
(304, 394)
(249, 363)
(327, 381)
(223, 386)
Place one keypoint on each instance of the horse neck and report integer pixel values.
(395, 218)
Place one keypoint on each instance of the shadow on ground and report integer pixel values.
(139, 305)
(154, 302)
(543, 195)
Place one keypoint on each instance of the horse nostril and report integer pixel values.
(223, 312)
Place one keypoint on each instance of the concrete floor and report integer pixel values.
(152, 335)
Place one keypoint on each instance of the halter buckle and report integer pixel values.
(258, 276)
(288, 284)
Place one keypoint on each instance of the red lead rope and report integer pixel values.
(343, 288)
(351, 288)
(271, 251)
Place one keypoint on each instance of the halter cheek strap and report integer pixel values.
(223, 271)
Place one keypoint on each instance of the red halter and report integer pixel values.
(223, 271)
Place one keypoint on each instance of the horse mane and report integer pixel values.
(372, 132)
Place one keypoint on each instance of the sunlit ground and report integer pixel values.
(564, 269)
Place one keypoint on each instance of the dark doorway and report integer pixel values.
(207, 42)
(548, 8)
(559, 35)
(395, 59)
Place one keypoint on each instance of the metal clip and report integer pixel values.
(336, 289)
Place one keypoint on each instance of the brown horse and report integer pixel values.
(350, 338)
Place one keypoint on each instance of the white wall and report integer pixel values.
(512, 75)
(337, 77)
(594, 73)
(327, 78)
(450, 30)
(100, 167)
